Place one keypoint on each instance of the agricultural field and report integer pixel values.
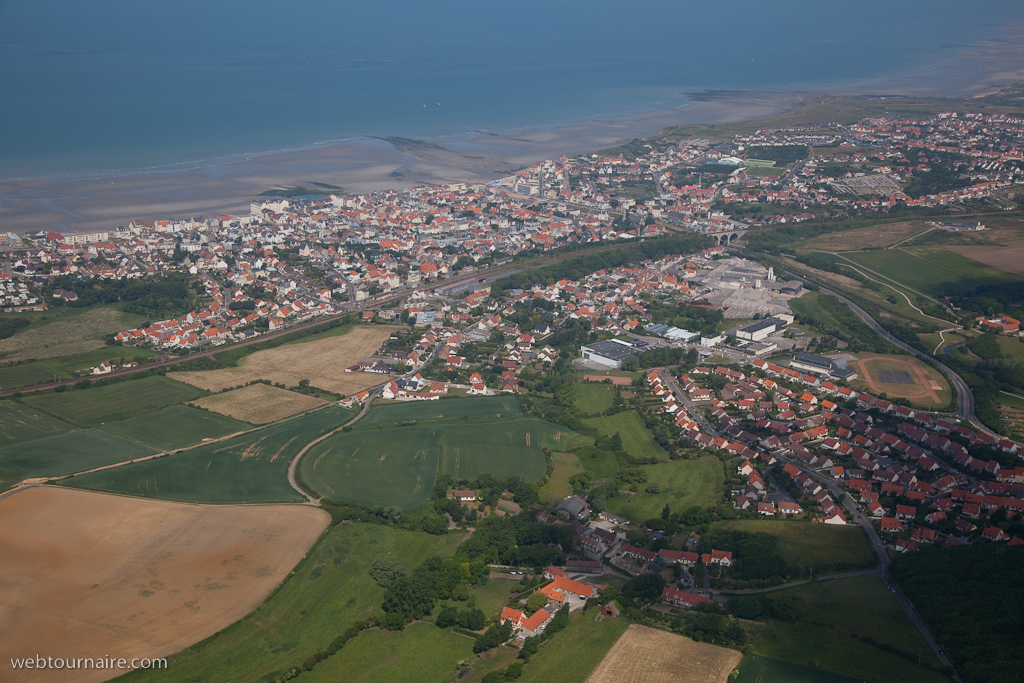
(322, 361)
(171, 576)
(840, 616)
(647, 655)
(43, 371)
(754, 669)
(67, 332)
(557, 487)
(251, 468)
(375, 467)
(933, 270)
(1011, 347)
(95, 406)
(19, 423)
(575, 652)
(871, 237)
(65, 454)
(810, 544)
(259, 403)
(176, 427)
(602, 464)
(1008, 257)
(593, 397)
(477, 409)
(636, 438)
(684, 483)
(328, 592)
(902, 377)
(504, 449)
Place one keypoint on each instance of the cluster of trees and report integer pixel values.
(659, 358)
(970, 596)
(781, 154)
(153, 297)
(942, 176)
(759, 607)
(11, 326)
(472, 619)
(706, 624)
(694, 318)
(837, 320)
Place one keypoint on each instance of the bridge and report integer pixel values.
(724, 237)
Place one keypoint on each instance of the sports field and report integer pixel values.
(259, 403)
(322, 361)
(375, 467)
(839, 616)
(902, 377)
(176, 427)
(636, 438)
(647, 655)
(933, 270)
(119, 401)
(251, 468)
(684, 483)
(19, 423)
(814, 545)
(65, 454)
(88, 574)
(477, 408)
(329, 591)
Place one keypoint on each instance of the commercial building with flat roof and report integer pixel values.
(609, 353)
(823, 365)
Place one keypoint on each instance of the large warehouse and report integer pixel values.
(609, 353)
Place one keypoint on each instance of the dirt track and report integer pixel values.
(89, 574)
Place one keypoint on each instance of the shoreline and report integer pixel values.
(367, 164)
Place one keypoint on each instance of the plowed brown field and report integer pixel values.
(322, 362)
(90, 574)
(646, 655)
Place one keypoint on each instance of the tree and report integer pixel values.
(666, 513)
(386, 571)
(493, 637)
(413, 597)
(435, 524)
(537, 601)
(653, 487)
(447, 617)
(642, 589)
(513, 671)
(393, 513)
(393, 622)
(473, 619)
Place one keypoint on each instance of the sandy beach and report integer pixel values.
(368, 164)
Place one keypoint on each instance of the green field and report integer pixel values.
(65, 454)
(176, 427)
(557, 486)
(375, 467)
(840, 616)
(810, 544)
(575, 652)
(504, 449)
(684, 483)
(602, 464)
(593, 397)
(636, 438)
(42, 371)
(482, 408)
(754, 669)
(399, 466)
(327, 593)
(251, 468)
(120, 401)
(934, 271)
(19, 423)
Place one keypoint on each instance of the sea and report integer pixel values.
(115, 86)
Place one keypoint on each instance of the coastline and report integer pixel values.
(369, 164)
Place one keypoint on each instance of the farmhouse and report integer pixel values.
(681, 598)
(464, 496)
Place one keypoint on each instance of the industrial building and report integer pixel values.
(761, 329)
(823, 365)
(609, 353)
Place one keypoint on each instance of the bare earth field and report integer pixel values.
(1009, 258)
(322, 362)
(646, 655)
(67, 337)
(873, 236)
(91, 574)
(259, 403)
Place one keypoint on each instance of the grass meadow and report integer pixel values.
(65, 454)
(113, 402)
(504, 449)
(594, 397)
(755, 669)
(841, 616)
(326, 593)
(42, 371)
(574, 653)
(557, 487)
(684, 483)
(810, 544)
(251, 468)
(636, 438)
(176, 427)
(19, 423)
(934, 271)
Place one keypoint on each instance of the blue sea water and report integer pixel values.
(121, 85)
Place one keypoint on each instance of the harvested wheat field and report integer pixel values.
(322, 362)
(91, 574)
(646, 655)
(259, 403)
(1008, 257)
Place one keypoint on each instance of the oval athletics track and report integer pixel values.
(920, 376)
